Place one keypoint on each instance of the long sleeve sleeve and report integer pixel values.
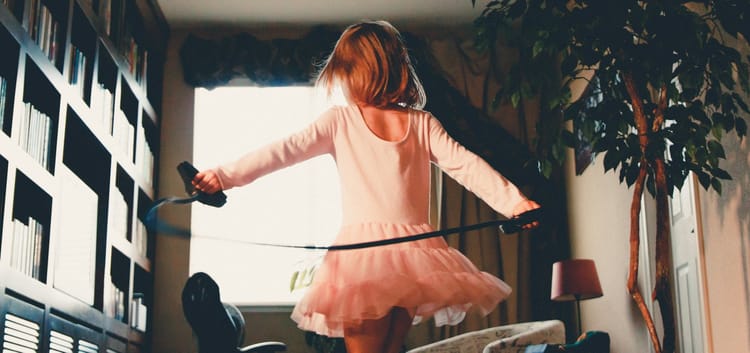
(471, 171)
(316, 139)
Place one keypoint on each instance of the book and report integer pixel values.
(75, 258)
(35, 135)
(102, 106)
(45, 30)
(123, 133)
(140, 238)
(77, 72)
(118, 216)
(26, 255)
(3, 94)
(138, 312)
(105, 12)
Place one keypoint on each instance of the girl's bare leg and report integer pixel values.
(401, 321)
(384, 335)
(369, 337)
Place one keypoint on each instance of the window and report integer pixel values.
(296, 205)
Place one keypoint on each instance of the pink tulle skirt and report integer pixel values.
(427, 277)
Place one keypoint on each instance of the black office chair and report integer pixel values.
(219, 326)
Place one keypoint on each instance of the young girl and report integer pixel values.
(383, 145)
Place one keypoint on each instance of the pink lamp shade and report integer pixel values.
(575, 280)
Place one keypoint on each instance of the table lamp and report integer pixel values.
(575, 280)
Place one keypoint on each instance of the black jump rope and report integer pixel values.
(218, 199)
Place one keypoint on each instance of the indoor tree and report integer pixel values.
(665, 85)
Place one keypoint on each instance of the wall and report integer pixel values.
(726, 232)
(171, 331)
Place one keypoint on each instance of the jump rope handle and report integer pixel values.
(187, 172)
(515, 224)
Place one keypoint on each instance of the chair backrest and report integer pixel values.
(219, 327)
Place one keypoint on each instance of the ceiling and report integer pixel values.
(260, 13)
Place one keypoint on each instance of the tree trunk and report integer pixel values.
(635, 241)
(662, 287)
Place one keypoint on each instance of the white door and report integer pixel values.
(686, 269)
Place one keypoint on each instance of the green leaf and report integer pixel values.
(716, 185)
(741, 127)
(632, 174)
(703, 178)
(538, 47)
(293, 282)
(611, 160)
(740, 102)
(545, 168)
(569, 63)
(568, 139)
(712, 96)
(600, 145)
(515, 98)
(715, 149)
(517, 9)
(721, 174)
(717, 130)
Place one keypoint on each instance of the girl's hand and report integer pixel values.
(525, 206)
(207, 181)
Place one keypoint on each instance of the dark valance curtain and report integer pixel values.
(283, 62)
(278, 62)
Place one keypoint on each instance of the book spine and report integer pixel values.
(3, 93)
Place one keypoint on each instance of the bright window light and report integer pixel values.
(297, 205)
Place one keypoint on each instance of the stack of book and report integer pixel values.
(138, 312)
(118, 303)
(137, 59)
(146, 158)
(44, 30)
(140, 238)
(102, 106)
(118, 216)
(77, 73)
(26, 254)
(124, 134)
(36, 135)
(114, 302)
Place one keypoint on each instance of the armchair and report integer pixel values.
(514, 338)
(220, 327)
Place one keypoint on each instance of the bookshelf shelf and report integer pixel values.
(32, 209)
(8, 73)
(79, 89)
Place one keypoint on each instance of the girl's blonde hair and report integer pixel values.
(372, 64)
